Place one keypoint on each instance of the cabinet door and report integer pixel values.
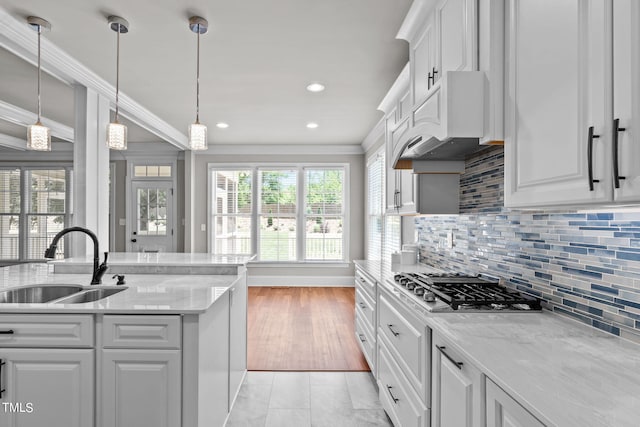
(457, 389)
(58, 386)
(423, 61)
(626, 96)
(408, 191)
(141, 388)
(556, 90)
(391, 189)
(504, 411)
(237, 337)
(457, 36)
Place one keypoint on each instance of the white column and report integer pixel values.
(90, 170)
(189, 190)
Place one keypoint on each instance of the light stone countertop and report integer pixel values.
(156, 263)
(564, 372)
(146, 293)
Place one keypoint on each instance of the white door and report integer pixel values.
(626, 97)
(556, 80)
(141, 388)
(504, 411)
(46, 387)
(152, 214)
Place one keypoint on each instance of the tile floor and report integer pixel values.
(298, 399)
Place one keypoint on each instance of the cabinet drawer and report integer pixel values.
(404, 407)
(46, 330)
(142, 332)
(365, 283)
(408, 340)
(367, 343)
(366, 310)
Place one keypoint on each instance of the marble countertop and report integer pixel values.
(146, 293)
(160, 258)
(564, 372)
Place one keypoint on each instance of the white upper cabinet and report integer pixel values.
(456, 21)
(559, 117)
(423, 61)
(626, 98)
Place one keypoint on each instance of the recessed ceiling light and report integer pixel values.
(312, 125)
(222, 125)
(315, 87)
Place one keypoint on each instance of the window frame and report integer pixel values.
(25, 212)
(300, 167)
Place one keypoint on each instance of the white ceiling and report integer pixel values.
(256, 61)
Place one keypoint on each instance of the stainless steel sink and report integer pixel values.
(90, 295)
(38, 293)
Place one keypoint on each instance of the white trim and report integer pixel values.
(375, 135)
(282, 149)
(112, 206)
(131, 179)
(19, 39)
(301, 281)
(12, 142)
(397, 90)
(21, 117)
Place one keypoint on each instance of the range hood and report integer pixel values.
(448, 125)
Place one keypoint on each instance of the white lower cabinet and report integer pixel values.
(396, 394)
(365, 317)
(46, 387)
(504, 411)
(46, 370)
(458, 388)
(141, 388)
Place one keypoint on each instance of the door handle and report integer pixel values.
(2, 390)
(590, 157)
(616, 173)
(134, 240)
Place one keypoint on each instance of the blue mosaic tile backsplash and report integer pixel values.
(582, 265)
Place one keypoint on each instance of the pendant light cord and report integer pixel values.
(117, 71)
(39, 108)
(198, 79)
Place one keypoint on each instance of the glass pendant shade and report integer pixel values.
(197, 136)
(117, 136)
(38, 137)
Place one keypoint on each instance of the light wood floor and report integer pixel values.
(302, 329)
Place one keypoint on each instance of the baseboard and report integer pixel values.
(301, 281)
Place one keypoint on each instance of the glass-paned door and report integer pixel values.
(152, 228)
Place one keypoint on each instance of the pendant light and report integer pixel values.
(198, 131)
(117, 132)
(38, 135)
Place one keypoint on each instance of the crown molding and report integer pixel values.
(18, 38)
(281, 149)
(19, 116)
(374, 136)
(397, 90)
(415, 19)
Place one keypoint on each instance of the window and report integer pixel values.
(151, 171)
(299, 212)
(33, 208)
(375, 207)
(277, 216)
(232, 212)
(9, 214)
(324, 216)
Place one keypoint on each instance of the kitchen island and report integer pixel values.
(169, 350)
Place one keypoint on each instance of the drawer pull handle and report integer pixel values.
(2, 390)
(395, 399)
(7, 332)
(592, 136)
(362, 338)
(395, 333)
(444, 353)
(362, 305)
(616, 173)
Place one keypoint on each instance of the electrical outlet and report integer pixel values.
(123, 221)
(203, 227)
(450, 239)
